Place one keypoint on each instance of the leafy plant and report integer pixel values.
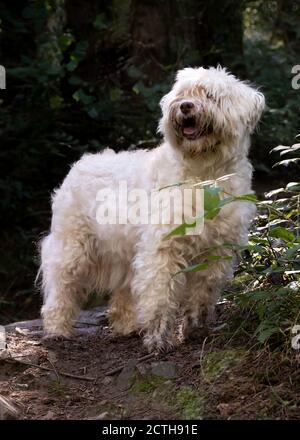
(270, 261)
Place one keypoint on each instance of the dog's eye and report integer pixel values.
(209, 95)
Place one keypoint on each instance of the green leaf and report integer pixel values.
(265, 334)
(293, 186)
(72, 65)
(283, 233)
(65, 40)
(211, 198)
(99, 22)
(75, 80)
(194, 268)
(255, 240)
(226, 200)
(180, 230)
(93, 112)
(274, 192)
(247, 198)
(202, 266)
(273, 269)
(81, 96)
(288, 150)
(258, 295)
(280, 148)
(78, 55)
(209, 215)
(115, 94)
(212, 202)
(55, 102)
(290, 253)
(218, 258)
(287, 162)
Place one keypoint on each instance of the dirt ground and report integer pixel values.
(99, 376)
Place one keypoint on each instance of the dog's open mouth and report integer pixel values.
(191, 131)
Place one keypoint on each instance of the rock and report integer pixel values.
(27, 356)
(166, 369)
(126, 377)
(103, 416)
(107, 380)
(4, 354)
(8, 411)
(143, 369)
(34, 324)
(86, 319)
(90, 330)
(49, 416)
(95, 316)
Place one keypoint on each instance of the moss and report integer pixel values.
(185, 401)
(189, 403)
(215, 363)
(147, 385)
(241, 280)
(57, 388)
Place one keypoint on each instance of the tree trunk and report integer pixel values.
(150, 37)
(186, 32)
(220, 33)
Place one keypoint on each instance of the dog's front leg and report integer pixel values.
(203, 291)
(155, 288)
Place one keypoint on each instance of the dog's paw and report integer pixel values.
(50, 339)
(158, 343)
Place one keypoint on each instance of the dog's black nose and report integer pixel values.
(186, 107)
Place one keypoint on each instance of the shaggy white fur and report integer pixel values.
(207, 120)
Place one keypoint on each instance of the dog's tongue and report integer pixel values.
(189, 131)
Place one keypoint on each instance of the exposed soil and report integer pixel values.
(205, 379)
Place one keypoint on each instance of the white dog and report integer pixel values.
(207, 119)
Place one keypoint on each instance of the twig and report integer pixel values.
(54, 369)
(74, 376)
(201, 356)
(62, 373)
(6, 406)
(117, 369)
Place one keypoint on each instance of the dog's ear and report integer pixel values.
(256, 105)
(165, 101)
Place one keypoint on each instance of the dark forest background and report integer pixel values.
(84, 75)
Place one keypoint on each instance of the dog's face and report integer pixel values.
(207, 109)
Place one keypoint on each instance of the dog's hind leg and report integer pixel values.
(67, 273)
